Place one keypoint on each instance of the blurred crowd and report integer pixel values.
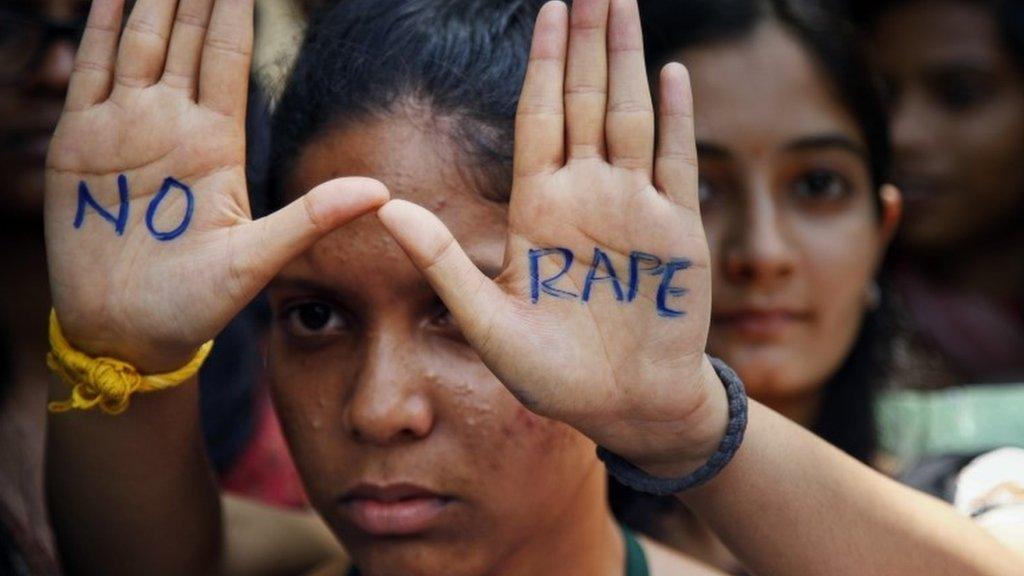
(917, 366)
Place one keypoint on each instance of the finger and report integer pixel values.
(183, 56)
(629, 127)
(140, 60)
(266, 245)
(97, 53)
(675, 169)
(473, 299)
(540, 117)
(227, 52)
(586, 81)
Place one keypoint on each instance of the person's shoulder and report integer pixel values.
(664, 561)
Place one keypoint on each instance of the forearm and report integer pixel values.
(791, 504)
(133, 494)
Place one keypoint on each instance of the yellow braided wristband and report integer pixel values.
(106, 382)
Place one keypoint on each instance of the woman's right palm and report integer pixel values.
(166, 98)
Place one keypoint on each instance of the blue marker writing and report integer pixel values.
(85, 198)
(635, 259)
(537, 285)
(665, 289)
(154, 205)
(600, 258)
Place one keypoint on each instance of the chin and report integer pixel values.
(766, 372)
(416, 558)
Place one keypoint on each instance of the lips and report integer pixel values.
(760, 323)
(393, 510)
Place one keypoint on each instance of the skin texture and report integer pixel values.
(639, 384)
(380, 386)
(790, 215)
(958, 125)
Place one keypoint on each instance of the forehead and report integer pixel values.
(763, 90)
(59, 9)
(938, 31)
(418, 161)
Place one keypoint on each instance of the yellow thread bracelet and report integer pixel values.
(106, 382)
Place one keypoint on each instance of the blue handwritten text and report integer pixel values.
(602, 271)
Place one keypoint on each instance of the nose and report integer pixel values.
(755, 250)
(910, 126)
(53, 72)
(390, 403)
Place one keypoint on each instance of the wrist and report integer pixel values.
(97, 340)
(703, 434)
(105, 382)
(672, 475)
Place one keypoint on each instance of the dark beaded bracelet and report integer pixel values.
(641, 481)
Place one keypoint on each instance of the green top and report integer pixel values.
(636, 560)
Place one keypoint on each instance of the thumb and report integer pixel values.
(473, 299)
(274, 240)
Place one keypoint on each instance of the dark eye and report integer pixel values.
(705, 190)
(444, 321)
(821, 186)
(313, 319)
(958, 98)
(961, 92)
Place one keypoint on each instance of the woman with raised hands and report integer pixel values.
(574, 267)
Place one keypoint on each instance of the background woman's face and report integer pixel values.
(31, 97)
(788, 207)
(958, 121)
(375, 385)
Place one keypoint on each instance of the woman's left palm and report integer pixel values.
(600, 315)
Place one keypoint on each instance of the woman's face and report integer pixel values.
(789, 211)
(410, 448)
(958, 121)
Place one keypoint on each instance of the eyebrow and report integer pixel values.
(828, 141)
(715, 151)
(711, 150)
(305, 284)
(301, 283)
(961, 66)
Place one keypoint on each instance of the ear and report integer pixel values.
(892, 213)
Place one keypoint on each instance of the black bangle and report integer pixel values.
(641, 481)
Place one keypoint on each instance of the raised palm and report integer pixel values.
(150, 279)
(622, 360)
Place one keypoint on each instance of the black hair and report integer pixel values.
(362, 59)
(846, 417)
(1007, 14)
(671, 26)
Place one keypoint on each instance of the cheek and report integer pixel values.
(988, 151)
(840, 266)
(505, 448)
(307, 390)
(502, 436)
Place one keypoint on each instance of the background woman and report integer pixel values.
(955, 72)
